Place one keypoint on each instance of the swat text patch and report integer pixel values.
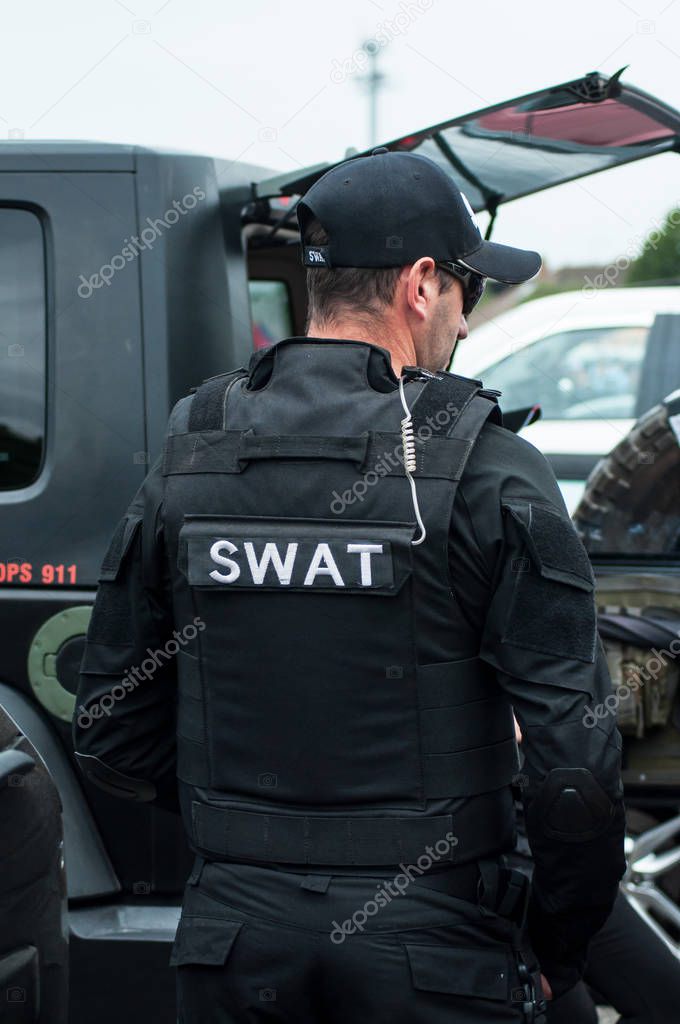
(292, 554)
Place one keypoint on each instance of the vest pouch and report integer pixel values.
(307, 659)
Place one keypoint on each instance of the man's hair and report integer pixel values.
(358, 291)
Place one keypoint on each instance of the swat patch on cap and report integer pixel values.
(294, 554)
(316, 256)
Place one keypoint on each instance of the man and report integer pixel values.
(364, 571)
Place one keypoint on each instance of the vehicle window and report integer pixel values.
(575, 374)
(22, 347)
(270, 312)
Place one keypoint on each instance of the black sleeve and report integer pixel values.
(126, 705)
(540, 634)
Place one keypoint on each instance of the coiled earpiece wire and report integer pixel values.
(409, 446)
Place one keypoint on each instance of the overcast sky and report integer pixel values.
(278, 84)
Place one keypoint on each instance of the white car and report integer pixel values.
(594, 359)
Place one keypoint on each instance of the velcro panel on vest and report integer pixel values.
(467, 730)
(207, 407)
(316, 839)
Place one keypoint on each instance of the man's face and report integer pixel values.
(443, 329)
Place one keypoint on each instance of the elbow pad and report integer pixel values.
(115, 783)
(571, 806)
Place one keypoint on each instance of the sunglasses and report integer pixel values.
(472, 282)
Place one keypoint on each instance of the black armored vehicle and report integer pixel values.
(127, 276)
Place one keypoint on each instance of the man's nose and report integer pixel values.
(463, 329)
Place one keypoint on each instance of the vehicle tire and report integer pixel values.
(631, 501)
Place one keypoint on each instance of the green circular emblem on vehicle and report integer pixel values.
(47, 643)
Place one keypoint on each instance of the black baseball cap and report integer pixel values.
(390, 208)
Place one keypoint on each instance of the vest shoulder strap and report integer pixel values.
(448, 416)
(443, 401)
(208, 402)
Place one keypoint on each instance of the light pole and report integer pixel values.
(373, 80)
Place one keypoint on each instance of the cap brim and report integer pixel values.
(503, 262)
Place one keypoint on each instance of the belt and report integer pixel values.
(497, 888)
(461, 882)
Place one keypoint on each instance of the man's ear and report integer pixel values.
(421, 286)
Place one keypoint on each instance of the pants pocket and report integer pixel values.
(458, 971)
(203, 940)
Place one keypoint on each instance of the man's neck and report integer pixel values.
(398, 343)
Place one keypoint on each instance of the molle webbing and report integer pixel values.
(466, 728)
(461, 706)
(230, 451)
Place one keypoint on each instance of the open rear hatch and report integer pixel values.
(530, 143)
(494, 155)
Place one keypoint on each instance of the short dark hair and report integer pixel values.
(359, 290)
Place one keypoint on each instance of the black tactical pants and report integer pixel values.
(631, 968)
(259, 944)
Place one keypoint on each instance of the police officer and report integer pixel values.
(346, 572)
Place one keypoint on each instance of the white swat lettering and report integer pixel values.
(365, 551)
(217, 556)
(323, 554)
(258, 570)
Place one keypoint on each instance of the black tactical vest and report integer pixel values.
(324, 717)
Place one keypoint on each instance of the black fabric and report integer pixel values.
(391, 208)
(301, 447)
(335, 954)
(226, 452)
(443, 393)
(553, 607)
(630, 969)
(207, 409)
(111, 619)
(463, 726)
(315, 839)
(446, 684)
(553, 617)
(114, 553)
(557, 552)
(208, 451)
(470, 771)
